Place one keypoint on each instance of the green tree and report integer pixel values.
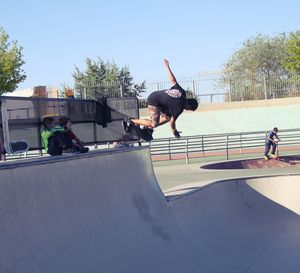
(292, 61)
(105, 79)
(11, 73)
(255, 66)
(261, 55)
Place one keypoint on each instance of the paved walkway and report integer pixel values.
(174, 175)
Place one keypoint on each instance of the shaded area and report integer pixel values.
(104, 212)
(282, 162)
(93, 121)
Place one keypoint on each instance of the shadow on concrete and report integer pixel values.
(282, 162)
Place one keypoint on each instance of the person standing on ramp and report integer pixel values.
(271, 141)
(165, 106)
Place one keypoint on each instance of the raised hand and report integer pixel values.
(166, 62)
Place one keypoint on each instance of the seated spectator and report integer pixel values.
(55, 138)
(77, 144)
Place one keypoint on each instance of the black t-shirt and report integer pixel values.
(171, 101)
(271, 134)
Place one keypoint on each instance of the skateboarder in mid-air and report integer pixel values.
(165, 106)
(271, 140)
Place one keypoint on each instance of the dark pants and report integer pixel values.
(58, 142)
(268, 147)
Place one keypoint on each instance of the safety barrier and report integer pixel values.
(226, 145)
(211, 145)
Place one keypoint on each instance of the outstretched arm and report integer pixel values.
(173, 124)
(171, 75)
(173, 127)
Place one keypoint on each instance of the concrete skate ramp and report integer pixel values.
(281, 189)
(104, 212)
(260, 163)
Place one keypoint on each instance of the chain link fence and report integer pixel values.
(208, 88)
(215, 88)
(112, 89)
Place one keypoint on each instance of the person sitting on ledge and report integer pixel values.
(77, 144)
(55, 139)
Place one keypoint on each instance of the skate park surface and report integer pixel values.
(105, 211)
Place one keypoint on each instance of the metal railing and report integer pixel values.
(210, 87)
(225, 145)
(217, 88)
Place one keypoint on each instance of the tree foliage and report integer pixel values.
(292, 61)
(259, 56)
(11, 72)
(261, 65)
(105, 79)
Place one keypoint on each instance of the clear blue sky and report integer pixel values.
(195, 35)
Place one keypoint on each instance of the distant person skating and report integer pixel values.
(77, 144)
(55, 138)
(165, 106)
(271, 140)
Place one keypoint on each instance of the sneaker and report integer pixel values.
(67, 150)
(84, 150)
(273, 156)
(149, 130)
(126, 123)
(266, 157)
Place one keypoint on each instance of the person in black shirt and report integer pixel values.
(165, 106)
(271, 141)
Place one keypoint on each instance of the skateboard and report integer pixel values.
(271, 157)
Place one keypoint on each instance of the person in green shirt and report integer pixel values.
(54, 137)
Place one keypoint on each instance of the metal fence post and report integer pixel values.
(95, 132)
(227, 153)
(202, 144)
(5, 126)
(169, 148)
(241, 143)
(39, 137)
(187, 151)
(265, 87)
(84, 92)
(194, 89)
(121, 91)
(230, 90)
